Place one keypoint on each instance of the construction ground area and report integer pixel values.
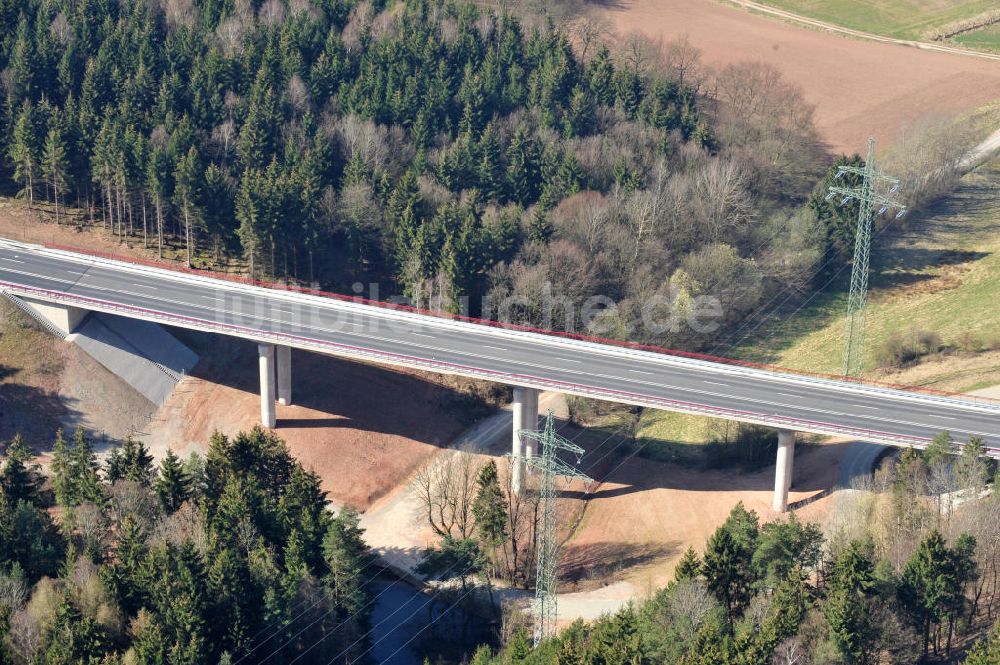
(368, 430)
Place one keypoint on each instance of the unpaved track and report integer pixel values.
(860, 87)
(861, 34)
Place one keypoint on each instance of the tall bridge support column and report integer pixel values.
(266, 354)
(284, 375)
(530, 421)
(525, 409)
(783, 469)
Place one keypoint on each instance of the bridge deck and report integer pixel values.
(521, 358)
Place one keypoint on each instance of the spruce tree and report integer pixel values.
(62, 471)
(928, 585)
(689, 567)
(188, 176)
(489, 507)
(172, 484)
(85, 481)
(523, 170)
(55, 164)
(20, 478)
(346, 556)
(24, 151)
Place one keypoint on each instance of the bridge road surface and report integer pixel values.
(373, 333)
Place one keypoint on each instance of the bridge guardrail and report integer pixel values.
(601, 345)
(770, 420)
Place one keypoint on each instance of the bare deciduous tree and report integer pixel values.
(766, 122)
(446, 488)
(271, 13)
(929, 158)
(683, 60)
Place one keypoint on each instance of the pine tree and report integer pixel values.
(518, 648)
(600, 75)
(61, 469)
(490, 169)
(628, 91)
(728, 564)
(971, 469)
(689, 567)
(489, 507)
(727, 571)
(55, 163)
(346, 556)
(249, 213)
(130, 462)
(523, 173)
(173, 484)
(985, 651)
(20, 478)
(24, 151)
(848, 609)
(84, 468)
(157, 182)
(940, 450)
(579, 117)
(187, 176)
(928, 584)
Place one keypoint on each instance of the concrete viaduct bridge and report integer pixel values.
(63, 286)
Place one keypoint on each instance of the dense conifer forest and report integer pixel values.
(439, 149)
(230, 557)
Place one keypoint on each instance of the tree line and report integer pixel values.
(905, 572)
(231, 557)
(442, 149)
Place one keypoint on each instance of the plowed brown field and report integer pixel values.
(859, 88)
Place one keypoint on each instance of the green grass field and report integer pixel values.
(987, 39)
(940, 273)
(905, 19)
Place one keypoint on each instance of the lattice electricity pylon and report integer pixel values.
(869, 194)
(548, 547)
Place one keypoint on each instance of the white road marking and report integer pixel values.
(862, 406)
(11, 260)
(536, 366)
(146, 286)
(495, 348)
(932, 415)
(639, 371)
(423, 335)
(568, 360)
(790, 395)
(716, 383)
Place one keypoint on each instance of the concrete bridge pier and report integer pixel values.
(284, 375)
(783, 469)
(266, 355)
(525, 410)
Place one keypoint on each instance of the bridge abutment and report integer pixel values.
(525, 410)
(57, 316)
(783, 469)
(267, 409)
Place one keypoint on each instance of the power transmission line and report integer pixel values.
(550, 466)
(868, 194)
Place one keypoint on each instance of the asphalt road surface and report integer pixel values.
(403, 338)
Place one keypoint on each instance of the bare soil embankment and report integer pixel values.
(364, 429)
